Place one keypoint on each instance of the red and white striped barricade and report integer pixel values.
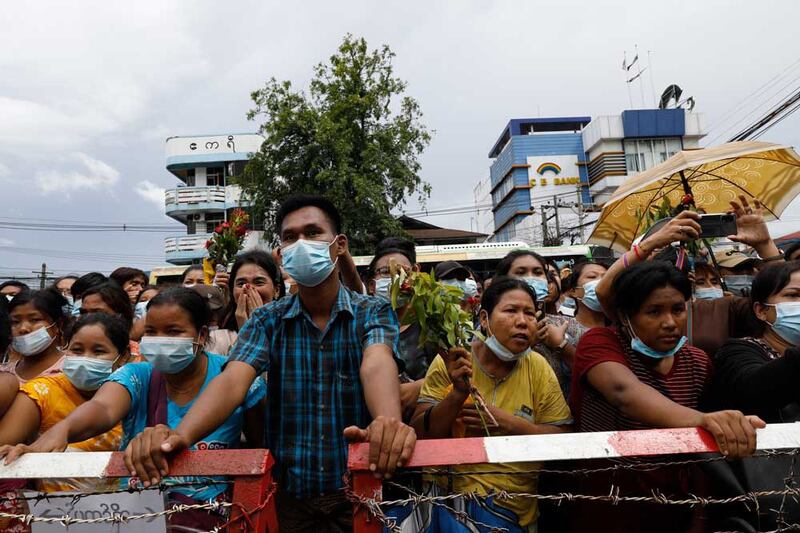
(253, 501)
(542, 448)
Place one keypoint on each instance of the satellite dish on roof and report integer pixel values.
(673, 93)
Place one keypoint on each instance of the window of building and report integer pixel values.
(215, 176)
(504, 188)
(642, 154)
(213, 220)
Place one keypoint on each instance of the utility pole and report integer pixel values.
(545, 237)
(42, 275)
(555, 213)
(581, 213)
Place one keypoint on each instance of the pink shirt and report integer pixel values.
(11, 368)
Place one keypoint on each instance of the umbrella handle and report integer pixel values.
(716, 265)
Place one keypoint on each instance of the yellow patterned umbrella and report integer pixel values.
(714, 176)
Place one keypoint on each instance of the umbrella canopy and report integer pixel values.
(767, 171)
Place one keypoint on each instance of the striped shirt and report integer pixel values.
(684, 384)
(313, 389)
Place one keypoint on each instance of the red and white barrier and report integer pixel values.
(559, 447)
(250, 470)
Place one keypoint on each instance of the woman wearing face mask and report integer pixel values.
(416, 359)
(132, 281)
(550, 338)
(81, 285)
(256, 281)
(109, 298)
(193, 276)
(706, 283)
(520, 388)
(37, 322)
(148, 293)
(98, 346)
(161, 391)
(760, 375)
(589, 313)
(640, 374)
(64, 286)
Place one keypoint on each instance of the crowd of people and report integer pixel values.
(296, 352)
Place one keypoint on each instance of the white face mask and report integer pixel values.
(382, 286)
(32, 343)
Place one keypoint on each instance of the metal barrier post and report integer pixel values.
(366, 485)
(253, 491)
(258, 493)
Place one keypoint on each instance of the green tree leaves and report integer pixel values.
(354, 138)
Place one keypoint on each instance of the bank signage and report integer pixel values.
(552, 173)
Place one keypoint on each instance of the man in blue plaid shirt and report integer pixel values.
(329, 355)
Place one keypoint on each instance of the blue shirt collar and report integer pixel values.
(343, 302)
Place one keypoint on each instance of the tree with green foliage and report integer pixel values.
(355, 138)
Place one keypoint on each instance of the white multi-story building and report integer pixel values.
(206, 196)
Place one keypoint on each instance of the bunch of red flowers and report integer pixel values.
(228, 238)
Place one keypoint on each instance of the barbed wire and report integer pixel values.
(119, 518)
(77, 496)
(375, 507)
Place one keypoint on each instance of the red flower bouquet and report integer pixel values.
(225, 243)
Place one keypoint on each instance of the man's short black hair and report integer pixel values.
(299, 201)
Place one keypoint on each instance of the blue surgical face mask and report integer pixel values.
(382, 286)
(503, 353)
(168, 355)
(787, 321)
(470, 287)
(140, 310)
(457, 283)
(308, 262)
(637, 345)
(590, 296)
(32, 343)
(87, 373)
(739, 285)
(76, 307)
(708, 293)
(540, 287)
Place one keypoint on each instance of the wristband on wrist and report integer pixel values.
(636, 252)
(778, 257)
(625, 260)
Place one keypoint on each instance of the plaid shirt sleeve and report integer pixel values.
(252, 345)
(381, 327)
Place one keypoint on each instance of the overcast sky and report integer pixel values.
(90, 90)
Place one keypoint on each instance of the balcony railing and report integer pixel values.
(183, 249)
(186, 197)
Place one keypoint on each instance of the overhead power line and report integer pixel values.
(736, 112)
(785, 108)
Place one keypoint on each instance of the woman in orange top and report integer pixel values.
(98, 346)
(37, 325)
